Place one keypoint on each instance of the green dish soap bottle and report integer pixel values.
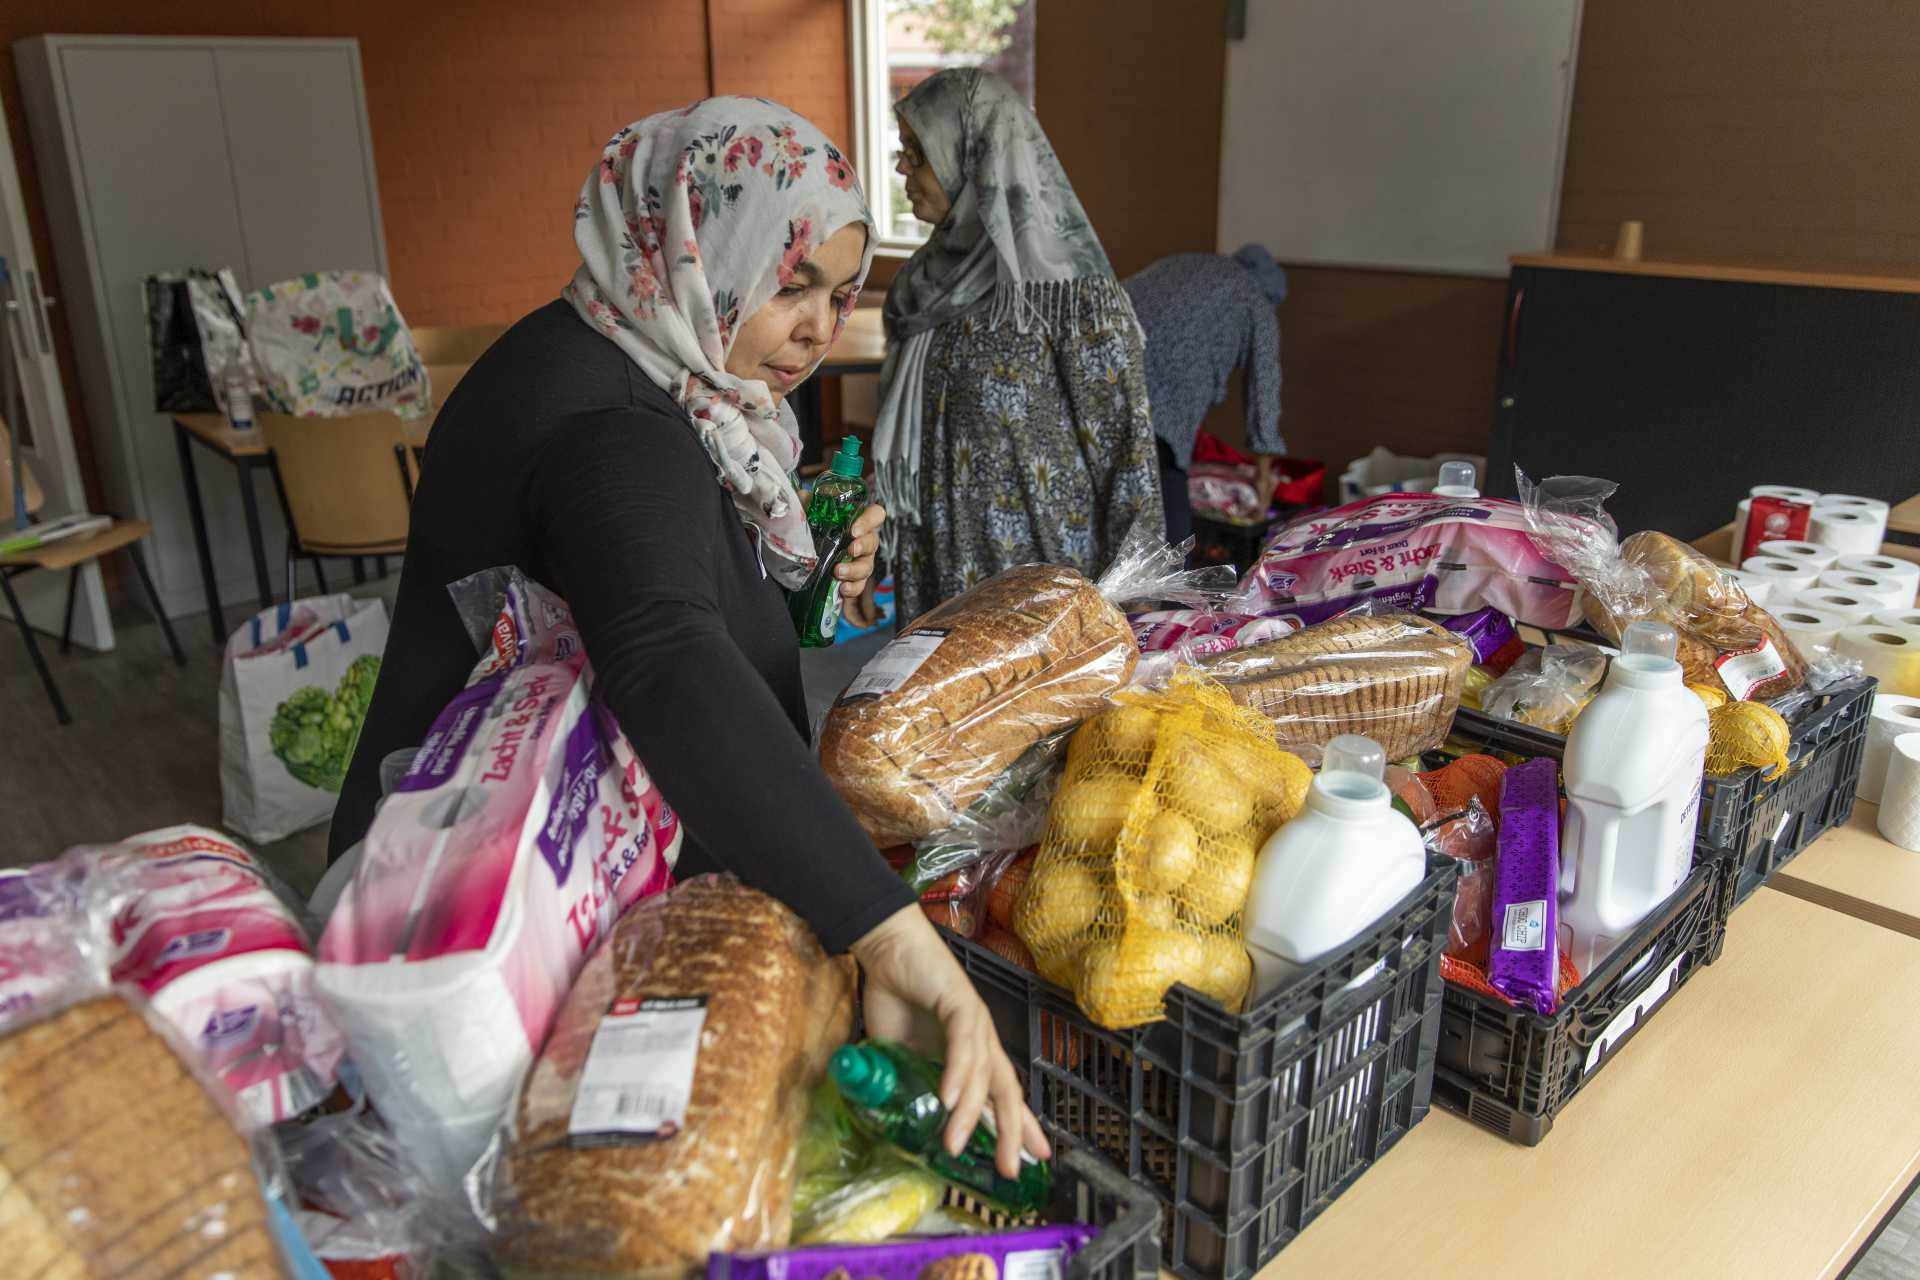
(837, 501)
(893, 1095)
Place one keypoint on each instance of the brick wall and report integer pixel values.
(485, 114)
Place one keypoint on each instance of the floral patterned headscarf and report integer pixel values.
(691, 221)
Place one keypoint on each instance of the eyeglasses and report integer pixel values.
(910, 153)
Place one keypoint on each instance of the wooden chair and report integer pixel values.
(448, 350)
(72, 554)
(337, 487)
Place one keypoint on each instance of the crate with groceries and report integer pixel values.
(1438, 802)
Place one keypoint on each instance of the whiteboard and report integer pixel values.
(1417, 134)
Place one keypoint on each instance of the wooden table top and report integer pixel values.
(1761, 1126)
(1905, 518)
(213, 428)
(1856, 870)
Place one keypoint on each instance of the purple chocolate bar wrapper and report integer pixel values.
(907, 1259)
(1487, 630)
(1524, 952)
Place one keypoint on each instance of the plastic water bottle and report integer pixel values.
(1632, 776)
(838, 498)
(1325, 877)
(1457, 480)
(237, 390)
(892, 1093)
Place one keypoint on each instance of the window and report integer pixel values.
(899, 43)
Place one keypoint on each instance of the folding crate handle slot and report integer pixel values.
(1139, 1215)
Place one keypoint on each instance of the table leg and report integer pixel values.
(255, 543)
(198, 514)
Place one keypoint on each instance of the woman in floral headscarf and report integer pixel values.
(630, 446)
(1013, 421)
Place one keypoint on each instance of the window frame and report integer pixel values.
(872, 106)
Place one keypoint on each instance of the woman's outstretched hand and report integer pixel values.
(855, 569)
(915, 991)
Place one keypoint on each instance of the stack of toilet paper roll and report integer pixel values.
(1890, 654)
(1788, 577)
(1893, 715)
(1881, 590)
(1900, 796)
(1844, 523)
(1812, 630)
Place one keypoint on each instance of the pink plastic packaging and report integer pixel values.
(1180, 637)
(48, 956)
(1410, 551)
(189, 918)
(523, 829)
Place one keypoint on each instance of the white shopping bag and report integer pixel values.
(293, 691)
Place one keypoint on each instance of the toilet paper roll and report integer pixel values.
(1870, 507)
(1792, 493)
(1811, 630)
(1787, 575)
(1900, 798)
(1890, 655)
(1883, 591)
(1806, 552)
(1897, 618)
(1847, 531)
(1885, 566)
(1834, 602)
(1758, 589)
(1893, 714)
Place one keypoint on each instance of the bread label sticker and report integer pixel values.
(1744, 670)
(1033, 1264)
(894, 665)
(638, 1075)
(1525, 926)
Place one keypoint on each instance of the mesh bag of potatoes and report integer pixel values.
(1149, 851)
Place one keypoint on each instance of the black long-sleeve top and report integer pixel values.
(557, 454)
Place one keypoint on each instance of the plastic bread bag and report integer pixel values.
(193, 921)
(122, 1158)
(1150, 848)
(832, 1152)
(1408, 552)
(1010, 815)
(968, 687)
(1174, 638)
(1547, 688)
(1394, 677)
(886, 1198)
(663, 1118)
(1725, 638)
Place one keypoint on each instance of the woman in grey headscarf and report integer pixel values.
(1013, 421)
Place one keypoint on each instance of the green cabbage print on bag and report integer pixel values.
(314, 732)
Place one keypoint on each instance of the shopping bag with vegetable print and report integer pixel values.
(293, 692)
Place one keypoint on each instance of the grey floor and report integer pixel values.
(143, 752)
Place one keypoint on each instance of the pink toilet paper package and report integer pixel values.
(1410, 551)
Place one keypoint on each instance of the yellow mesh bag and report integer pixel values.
(1744, 733)
(1149, 850)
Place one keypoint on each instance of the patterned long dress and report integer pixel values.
(1035, 449)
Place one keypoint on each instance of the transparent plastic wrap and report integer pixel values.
(1173, 638)
(1150, 849)
(662, 1120)
(203, 931)
(360, 1201)
(1394, 677)
(524, 827)
(1546, 688)
(1010, 815)
(119, 1159)
(886, 1198)
(929, 723)
(1725, 638)
(49, 956)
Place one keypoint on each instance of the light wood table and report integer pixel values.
(1765, 1124)
(1856, 870)
(1905, 518)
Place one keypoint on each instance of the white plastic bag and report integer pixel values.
(294, 690)
(331, 344)
(524, 827)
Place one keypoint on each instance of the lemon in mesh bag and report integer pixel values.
(1149, 850)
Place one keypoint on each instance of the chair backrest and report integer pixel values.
(341, 485)
(36, 498)
(449, 350)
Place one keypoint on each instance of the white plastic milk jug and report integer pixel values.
(1324, 877)
(1632, 775)
(1457, 480)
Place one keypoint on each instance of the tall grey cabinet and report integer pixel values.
(158, 154)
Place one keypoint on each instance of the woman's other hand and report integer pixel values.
(856, 567)
(915, 991)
